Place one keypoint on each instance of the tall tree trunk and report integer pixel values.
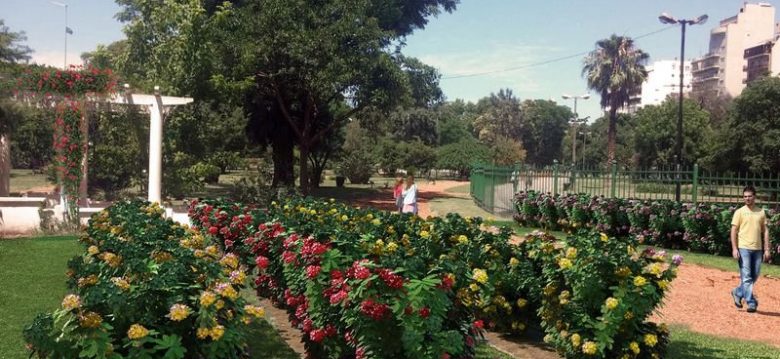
(283, 158)
(611, 135)
(303, 163)
(5, 165)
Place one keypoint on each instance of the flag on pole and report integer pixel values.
(68, 30)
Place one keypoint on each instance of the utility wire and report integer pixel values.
(545, 62)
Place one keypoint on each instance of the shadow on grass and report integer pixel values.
(686, 349)
(265, 342)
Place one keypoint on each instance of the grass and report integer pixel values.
(25, 180)
(32, 278)
(685, 344)
(723, 263)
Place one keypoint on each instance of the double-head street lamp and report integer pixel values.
(668, 19)
(575, 121)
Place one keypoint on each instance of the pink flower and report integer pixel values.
(312, 271)
(262, 262)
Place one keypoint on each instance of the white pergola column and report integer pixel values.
(156, 105)
(155, 149)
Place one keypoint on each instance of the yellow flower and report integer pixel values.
(623, 272)
(521, 303)
(212, 250)
(137, 331)
(230, 260)
(651, 340)
(589, 348)
(575, 340)
(462, 239)
(178, 312)
(480, 275)
(237, 277)
(518, 326)
(563, 298)
(202, 333)
(473, 287)
(226, 290)
(513, 262)
(92, 250)
(571, 253)
(111, 259)
(655, 269)
(219, 304)
(640, 281)
(312, 212)
(564, 263)
(344, 218)
(217, 332)
(254, 310)
(71, 301)
(376, 222)
(121, 283)
(634, 346)
(90, 320)
(392, 247)
(207, 298)
(628, 315)
(612, 303)
(604, 237)
(88, 280)
(663, 284)
(425, 234)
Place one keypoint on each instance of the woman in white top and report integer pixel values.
(410, 196)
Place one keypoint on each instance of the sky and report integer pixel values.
(513, 41)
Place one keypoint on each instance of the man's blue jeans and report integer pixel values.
(749, 270)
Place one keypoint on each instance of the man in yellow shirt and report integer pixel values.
(748, 227)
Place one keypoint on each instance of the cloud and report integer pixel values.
(55, 58)
(490, 61)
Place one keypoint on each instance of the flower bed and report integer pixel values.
(699, 228)
(146, 287)
(597, 293)
(367, 283)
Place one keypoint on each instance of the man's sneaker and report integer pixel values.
(751, 309)
(737, 299)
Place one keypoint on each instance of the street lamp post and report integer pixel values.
(575, 121)
(668, 19)
(584, 143)
(67, 30)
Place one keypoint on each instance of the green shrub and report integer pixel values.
(146, 287)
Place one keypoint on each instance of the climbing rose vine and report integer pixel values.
(68, 89)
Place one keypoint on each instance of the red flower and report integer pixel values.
(391, 279)
(313, 271)
(213, 230)
(338, 297)
(262, 262)
(479, 324)
(425, 312)
(317, 335)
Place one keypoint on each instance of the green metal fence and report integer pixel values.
(493, 187)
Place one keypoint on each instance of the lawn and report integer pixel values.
(25, 180)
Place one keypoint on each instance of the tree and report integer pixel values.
(615, 69)
(596, 142)
(545, 125)
(461, 156)
(658, 128)
(506, 151)
(751, 139)
(415, 124)
(11, 52)
(456, 121)
(502, 117)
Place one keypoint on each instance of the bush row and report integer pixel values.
(146, 287)
(367, 283)
(699, 227)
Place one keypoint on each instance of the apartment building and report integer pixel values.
(663, 79)
(724, 69)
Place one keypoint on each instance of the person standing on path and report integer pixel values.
(398, 193)
(410, 196)
(748, 227)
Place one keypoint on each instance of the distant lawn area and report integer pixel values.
(25, 180)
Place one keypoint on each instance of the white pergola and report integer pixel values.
(157, 106)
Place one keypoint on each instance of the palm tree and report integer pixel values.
(616, 69)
